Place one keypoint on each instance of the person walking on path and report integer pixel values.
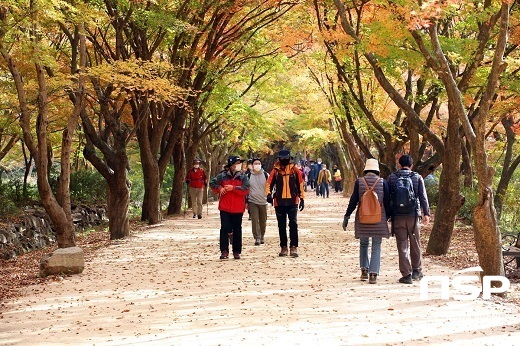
(312, 174)
(284, 189)
(196, 180)
(337, 179)
(409, 204)
(377, 231)
(233, 187)
(323, 181)
(317, 169)
(256, 200)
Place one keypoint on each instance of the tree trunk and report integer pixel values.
(508, 167)
(118, 200)
(450, 199)
(487, 234)
(176, 195)
(151, 207)
(467, 169)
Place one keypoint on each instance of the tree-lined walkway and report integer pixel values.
(166, 286)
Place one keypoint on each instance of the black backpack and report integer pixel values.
(404, 199)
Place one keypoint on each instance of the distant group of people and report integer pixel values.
(400, 199)
(319, 178)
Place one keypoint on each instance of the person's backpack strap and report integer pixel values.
(371, 188)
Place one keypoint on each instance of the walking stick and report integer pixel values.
(207, 201)
(186, 201)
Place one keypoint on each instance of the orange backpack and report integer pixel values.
(369, 208)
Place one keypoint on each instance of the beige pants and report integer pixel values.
(196, 195)
(258, 215)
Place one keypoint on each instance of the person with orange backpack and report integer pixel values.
(284, 189)
(371, 196)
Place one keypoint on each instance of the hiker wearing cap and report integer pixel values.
(284, 189)
(409, 203)
(256, 200)
(196, 180)
(377, 228)
(232, 186)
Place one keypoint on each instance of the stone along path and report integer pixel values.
(166, 286)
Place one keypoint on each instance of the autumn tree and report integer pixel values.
(28, 50)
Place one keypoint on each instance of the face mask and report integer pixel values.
(285, 162)
(257, 167)
(238, 168)
(195, 166)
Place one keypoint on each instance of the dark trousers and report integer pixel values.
(312, 183)
(337, 186)
(324, 189)
(282, 212)
(230, 223)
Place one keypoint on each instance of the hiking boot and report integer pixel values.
(293, 251)
(199, 216)
(417, 275)
(257, 242)
(236, 255)
(224, 255)
(373, 278)
(364, 274)
(406, 279)
(284, 251)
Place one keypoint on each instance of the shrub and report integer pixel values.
(87, 187)
(471, 195)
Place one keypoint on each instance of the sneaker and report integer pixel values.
(417, 275)
(236, 255)
(262, 241)
(364, 274)
(257, 242)
(406, 279)
(284, 251)
(373, 278)
(294, 251)
(224, 255)
(199, 216)
(194, 216)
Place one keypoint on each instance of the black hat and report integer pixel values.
(196, 160)
(232, 160)
(284, 154)
(256, 159)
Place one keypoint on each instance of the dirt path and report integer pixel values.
(166, 286)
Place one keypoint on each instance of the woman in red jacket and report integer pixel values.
(232, 186)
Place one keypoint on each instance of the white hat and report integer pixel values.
(372, 165)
